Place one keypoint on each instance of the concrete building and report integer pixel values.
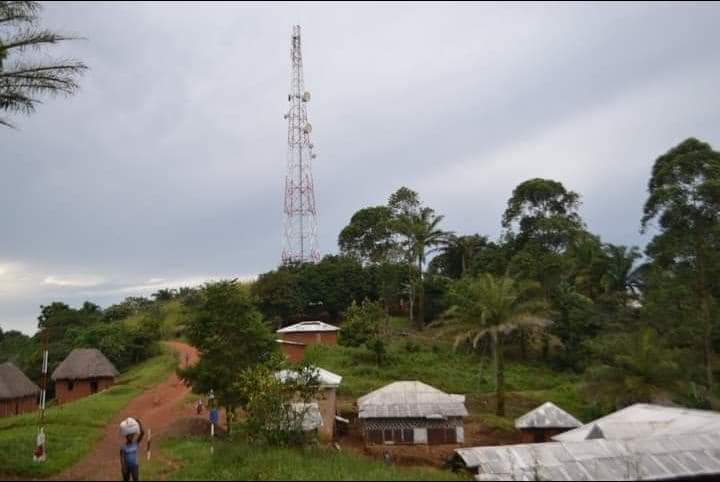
(18, 394)
(310, 333)
(412, 413)
(543, 423)
(326, 399)
(84, 372)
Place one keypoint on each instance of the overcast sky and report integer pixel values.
(166, 169)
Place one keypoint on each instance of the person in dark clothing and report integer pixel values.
(130, 455)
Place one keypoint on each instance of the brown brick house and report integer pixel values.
(17, 393)
(293, 350)
(310, 333)
(84, 372)
(545, 422)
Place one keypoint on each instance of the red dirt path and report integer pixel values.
(158, 408)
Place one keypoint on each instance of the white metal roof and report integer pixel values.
(659, 458)
(410, 400)
(644, 420)
(547, 415)
(308, 326)
(326, 378)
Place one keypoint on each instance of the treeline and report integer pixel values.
(642, 328)
(126, 332)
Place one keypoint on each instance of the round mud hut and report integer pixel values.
(84, 372)
(18, 394)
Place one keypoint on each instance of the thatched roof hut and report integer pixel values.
(83, 364)
(14, 384)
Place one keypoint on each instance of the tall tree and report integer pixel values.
(421, 237)
(496, 306)
(23, 78)
(684, 200)
(231, 336)
(369, 237)
(621, 276)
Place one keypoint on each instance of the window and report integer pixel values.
(439, 436)
(71, 385)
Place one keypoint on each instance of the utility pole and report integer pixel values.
(300, 243)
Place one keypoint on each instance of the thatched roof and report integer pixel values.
(83, 363)
(14, 383)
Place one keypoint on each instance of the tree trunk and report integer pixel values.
(499, 374)
(421, 296)
(705, 310)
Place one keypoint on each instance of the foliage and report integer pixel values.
(276, 407)
(684, 200)
(631, 369)
(363, 326)
(231, 336)
(369, 236)
(576, 321)
(22, 77)
(495, 306)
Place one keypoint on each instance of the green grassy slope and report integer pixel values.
(238, 461)
(72, 429)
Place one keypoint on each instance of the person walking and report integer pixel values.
(129, 451)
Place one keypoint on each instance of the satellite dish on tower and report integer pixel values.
(307, 129)
(306, 97)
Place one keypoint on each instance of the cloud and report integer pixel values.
(74, 281)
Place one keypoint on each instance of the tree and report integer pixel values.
(574, 323)
(543, 212)
(463, 255)
(421, 237)
(621, 277)
(231, 336)
(496, 306)
(684, 200)
(632, 369)
(22, 78)
(369, 236)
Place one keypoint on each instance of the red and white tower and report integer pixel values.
(300, 243)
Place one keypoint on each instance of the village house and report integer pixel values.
(640, 442)
(411, 413)
(310, 333)
(18, 394)
(294, 351)
(326, 399)
(543, 423)
(84, 372)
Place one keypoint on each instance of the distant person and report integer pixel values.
(129, 457)
(199, 406)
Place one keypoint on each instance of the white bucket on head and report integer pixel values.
(129, 426)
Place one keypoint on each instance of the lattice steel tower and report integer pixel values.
(300, 242)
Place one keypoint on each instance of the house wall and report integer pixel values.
(80, 389)
(294, 353)
(410, 431)
(327, 401)
(17, 406)
(533, 436)
(312, 337)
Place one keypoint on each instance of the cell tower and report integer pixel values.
(300, 242)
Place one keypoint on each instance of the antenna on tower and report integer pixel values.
(300, 243)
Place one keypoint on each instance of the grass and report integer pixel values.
(73, 429)
(236, 460)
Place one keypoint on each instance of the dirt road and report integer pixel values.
(157, 408)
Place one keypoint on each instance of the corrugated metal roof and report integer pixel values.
(410, 400)
(660, 458)
(308, 326)
(325, 377)
(644, 420)
(547, 415)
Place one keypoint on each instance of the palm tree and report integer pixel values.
(620, 276)
(22, 79)
(633, 369)
(422, 237)
(496, 306)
